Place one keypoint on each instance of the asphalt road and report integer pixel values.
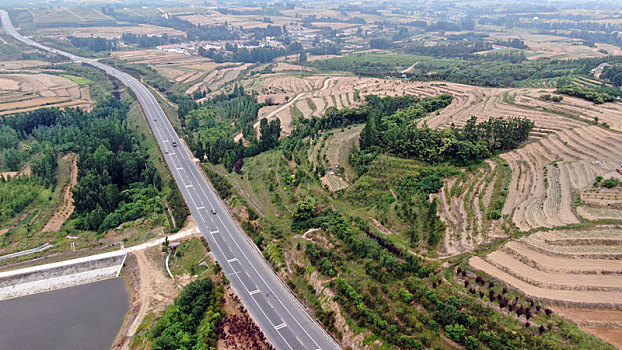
(277, 312)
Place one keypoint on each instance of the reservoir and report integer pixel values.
(82, 317)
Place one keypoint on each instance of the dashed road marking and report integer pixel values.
(253, 292)
(189, 186)
(213, 232)
(199, 208)
(282, 325)
(232, 260)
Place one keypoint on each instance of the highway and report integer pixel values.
(278, 313)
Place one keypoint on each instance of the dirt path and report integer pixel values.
(407, 70)
(238, 137)
(152, 289)
(65, 209)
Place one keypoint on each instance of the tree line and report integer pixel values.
(209, 131)
(117, 182)
(588, 93)
(193, 319)
(145, 40)
(494, 70)
(397, 135)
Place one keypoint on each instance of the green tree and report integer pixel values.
(304, 210)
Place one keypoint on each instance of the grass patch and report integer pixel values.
(77, 80)
(187, 257)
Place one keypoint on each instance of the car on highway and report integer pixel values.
(213, 211)
(174, 143)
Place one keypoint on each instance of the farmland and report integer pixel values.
(26, 92)
(189, 73)
(112, 32)
(577, 269)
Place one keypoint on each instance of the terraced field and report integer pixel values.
(605, 324)
(564, 157)
(550, 171)
(579, 268)
(332, 153)
(610, 113)
(468, 204)
(191, 72)
(489, 102)
(314, 94)
(26, 92)
(602, 196)
(592, 212)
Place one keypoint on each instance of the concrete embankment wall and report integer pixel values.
(38, 279)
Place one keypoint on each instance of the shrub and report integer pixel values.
(611, 182)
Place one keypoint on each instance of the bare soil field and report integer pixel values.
(557, 46)
(152, 290)
(21, 65)
(577, 271)
(604, 324)
(610, 113)
(24, 92)
(246, 21)
(195, 73)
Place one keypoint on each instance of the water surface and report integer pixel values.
(82, 317)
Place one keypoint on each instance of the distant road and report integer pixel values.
(277, 312)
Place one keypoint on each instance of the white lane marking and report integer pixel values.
(236, 274)
(181, 180)
(192, 172)
(199, 208)
(253, 292)
(180, 168)
(167, 123)
(189, 186)
(232, 260)
(282, 325)
(214, 232)
(268, 286)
